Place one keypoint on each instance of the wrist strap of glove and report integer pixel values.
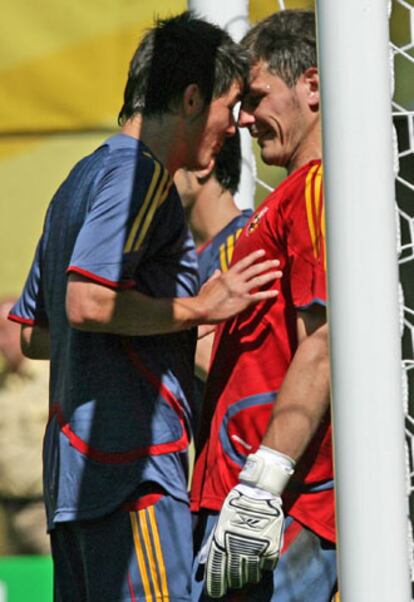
(267, 469)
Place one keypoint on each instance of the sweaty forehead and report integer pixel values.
(259, 74)
(262, 80)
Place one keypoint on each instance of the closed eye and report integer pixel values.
(251, 101)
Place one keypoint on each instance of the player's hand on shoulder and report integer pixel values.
(226, 294)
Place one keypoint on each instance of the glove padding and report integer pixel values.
(246, 541)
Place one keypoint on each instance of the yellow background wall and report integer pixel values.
(63, 66)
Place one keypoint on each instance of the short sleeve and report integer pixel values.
(30, 308)
(306, 242)
(114, 237)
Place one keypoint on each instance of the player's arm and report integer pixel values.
(304, 396)
(35, 342)
(93, 307)
(203, 355)
(29, 311)
(241, 549)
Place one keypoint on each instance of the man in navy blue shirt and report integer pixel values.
(112, 299)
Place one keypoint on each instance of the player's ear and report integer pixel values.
(204, 174)
(193, 102)
(311, 83)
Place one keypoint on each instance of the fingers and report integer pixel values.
(247, 261)
(243, 570)
(263, 279)
(253, 570)
(227, 294)
(232, 571)
(269, 564)
(236, 572)
(259, 268)
(216, 577)
(262, 296)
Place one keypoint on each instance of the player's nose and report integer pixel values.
(246, 118)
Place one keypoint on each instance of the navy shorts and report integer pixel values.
(306, 569)
(141, 552)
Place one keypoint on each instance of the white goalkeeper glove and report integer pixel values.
(248, 535)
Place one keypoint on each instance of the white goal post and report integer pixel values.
(363, 301)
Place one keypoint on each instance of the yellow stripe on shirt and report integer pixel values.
(165, 193)
(317, 191)
(150, 554)
(319, 210)
(230, 250)
(150, 214)
(141, 558)
(309, 197)
(143, 208)
(323, 217)
(223, 264)
(323, 228)
(159, 554)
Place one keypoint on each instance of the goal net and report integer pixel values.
(402, 54)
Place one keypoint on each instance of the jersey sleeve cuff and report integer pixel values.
(21, 319)
(125, 284)
(314, 301)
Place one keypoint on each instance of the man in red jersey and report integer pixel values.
(265, 445)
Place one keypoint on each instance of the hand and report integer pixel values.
(227, 294)
(246, 540)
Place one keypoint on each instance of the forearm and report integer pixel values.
(35, 342)
(203, 355)
(138, 314)
(303, 399)
(94, 308)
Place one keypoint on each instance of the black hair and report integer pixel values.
(227, 166)
(175, 53)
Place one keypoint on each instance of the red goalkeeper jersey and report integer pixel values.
(252, 353)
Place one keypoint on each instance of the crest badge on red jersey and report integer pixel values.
(254, 224)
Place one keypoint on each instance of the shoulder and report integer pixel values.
(305, 181)
(153, 177)
(244, 217)
(301, 191)
(304, 214)
(132, 171)
(125, 153)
